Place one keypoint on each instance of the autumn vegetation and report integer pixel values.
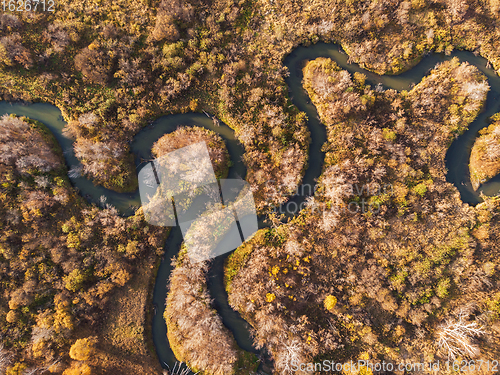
(415, 275)
(61, 260)
(195, 331)
(405, 273)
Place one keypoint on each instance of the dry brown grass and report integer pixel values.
(124, 342)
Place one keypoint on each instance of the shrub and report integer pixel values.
(330, 302)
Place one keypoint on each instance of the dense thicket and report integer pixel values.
(386, 258)
(60, 259)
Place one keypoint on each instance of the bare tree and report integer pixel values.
(5, 359)
(50, 365)
(456, 337)
(178, 370)
(88, 120)
(31, 371)
(290, 355)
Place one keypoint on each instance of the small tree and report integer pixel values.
(82, 349)
(17, 369)
(330, 302)
(74, 281)
(78, 369)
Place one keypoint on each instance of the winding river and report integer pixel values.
(457, 159)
